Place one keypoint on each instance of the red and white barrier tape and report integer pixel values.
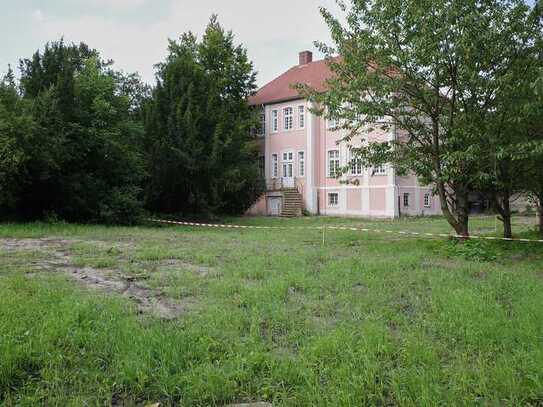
(347, 228)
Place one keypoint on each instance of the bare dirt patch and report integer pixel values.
(59, 260)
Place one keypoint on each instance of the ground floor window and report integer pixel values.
(333, 199)
(427, 201)
(275, 166)
(406, 200)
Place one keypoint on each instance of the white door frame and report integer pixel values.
(287, 168)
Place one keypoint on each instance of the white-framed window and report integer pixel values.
(406, 200)
(262, 127)
(288, 118)
(301, 117)
(287, 163)
(275, 121)
(275, 166)
(301, 163)
(427, 201)
(380, 170)
(333, 199)
(356, 164)
(333, 163)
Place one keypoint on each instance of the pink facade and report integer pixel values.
(301, 150)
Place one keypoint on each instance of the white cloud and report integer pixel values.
(272, 35)
(37, 16)
(113, 4)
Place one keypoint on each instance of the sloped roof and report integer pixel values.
(313, 74)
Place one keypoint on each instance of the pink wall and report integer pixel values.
(295, 139)
(354, 200)
(259, 208)
(377, 199)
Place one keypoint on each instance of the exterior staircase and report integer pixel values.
(292, 203)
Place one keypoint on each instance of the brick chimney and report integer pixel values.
(306, 57)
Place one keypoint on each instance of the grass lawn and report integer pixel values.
(93, 315)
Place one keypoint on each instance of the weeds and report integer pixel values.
(273, 316)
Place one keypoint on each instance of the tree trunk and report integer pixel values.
(457, 217)
(540, 214)
(507, 227)
(462, 211)
(503, 206)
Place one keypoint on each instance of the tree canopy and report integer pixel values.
(436, 71)
(201, 157)
(72, 142)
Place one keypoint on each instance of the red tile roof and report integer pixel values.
(280, 89)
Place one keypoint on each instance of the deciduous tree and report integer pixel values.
(431, 69)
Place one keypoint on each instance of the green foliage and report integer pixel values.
(16, 123)
(529, 150)
(510, 142)
(432, 70)
(201, 158)
(73, 142)
(473, 250)
(74, 139)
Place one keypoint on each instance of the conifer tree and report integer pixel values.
(201, 158)
(79, 155)
(16, 123)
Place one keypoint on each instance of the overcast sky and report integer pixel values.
(134, 33)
